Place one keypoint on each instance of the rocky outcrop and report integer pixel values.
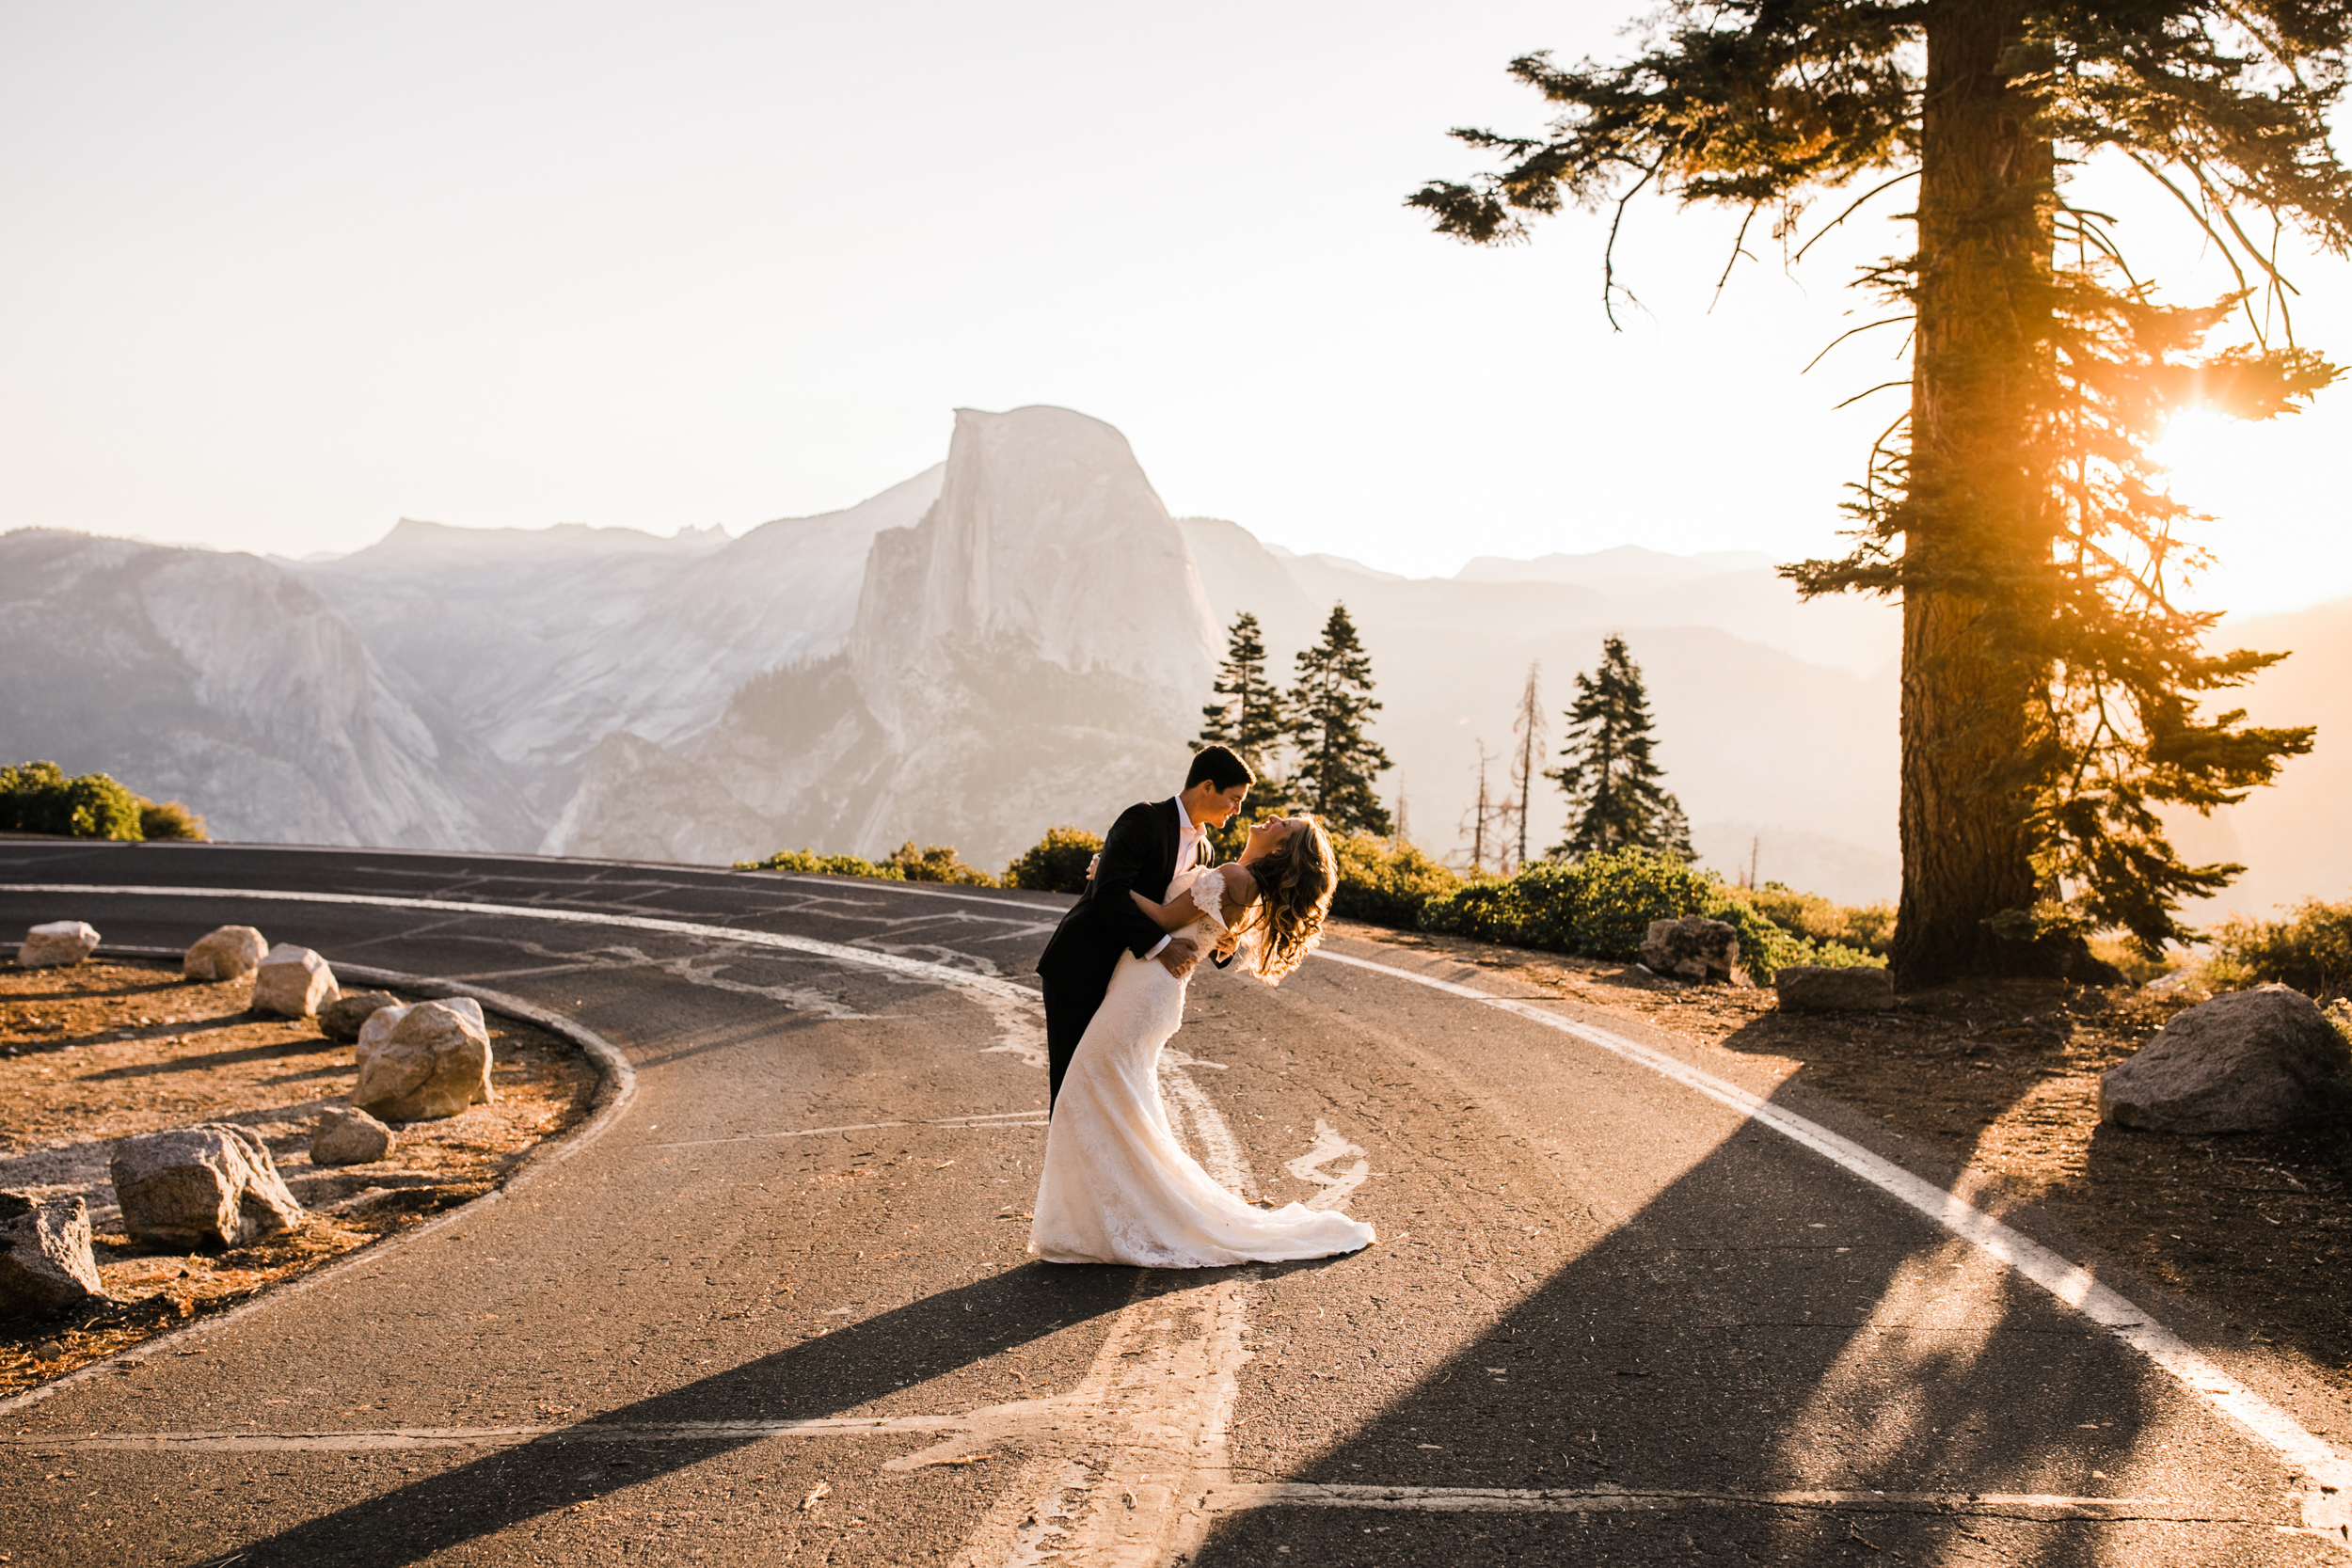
(1692, 949)
(1034, 650)
(1817, 988)
(227, 953)
(293, 982)
(46, 1266)
(57, 943)
(227, 682)
(2247, 1062)
(349, 1138)
(212, 1185)
(423, 1061)
(341, 1019)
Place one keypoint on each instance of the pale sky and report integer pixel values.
(275, 276)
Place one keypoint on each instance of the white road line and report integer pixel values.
(1015, 1010)
(2327, 1502)
(1504, 1499)
(884, 884)
(912, 969)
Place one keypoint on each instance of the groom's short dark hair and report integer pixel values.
(1223, 767)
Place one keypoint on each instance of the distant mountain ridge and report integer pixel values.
(1018, 635)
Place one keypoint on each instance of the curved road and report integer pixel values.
(1631, 1304)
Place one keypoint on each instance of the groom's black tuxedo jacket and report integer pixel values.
(1139, 854)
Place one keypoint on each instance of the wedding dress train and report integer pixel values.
(1117, 1188)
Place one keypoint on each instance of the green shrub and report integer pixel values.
(169, 820)
(1601, 907)
(2311, 951)
(1813, 918)
(936, 863)
(1385, 884)
(38, 798)
(1057, 863)
(809, 863)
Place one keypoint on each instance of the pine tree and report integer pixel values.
(1616, 798)
(2051, 682)
(1248, 715)
(1330, 703)
(1527, 736)
(1485, 823)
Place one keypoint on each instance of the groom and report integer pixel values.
(1147, 846)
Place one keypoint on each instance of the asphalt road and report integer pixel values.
(778, 1311)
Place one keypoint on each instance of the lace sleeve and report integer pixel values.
(1208, 896)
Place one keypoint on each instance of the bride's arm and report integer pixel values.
(1174, 916)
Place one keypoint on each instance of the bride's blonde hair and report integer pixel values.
(1295, 887)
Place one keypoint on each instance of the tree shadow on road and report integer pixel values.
(1767, 1325)
(820, 1377)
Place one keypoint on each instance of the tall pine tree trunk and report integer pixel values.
(1978, 534)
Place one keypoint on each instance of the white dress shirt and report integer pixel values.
(1187, 850)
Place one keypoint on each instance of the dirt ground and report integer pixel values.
(2006, 1077)
(104, 1050)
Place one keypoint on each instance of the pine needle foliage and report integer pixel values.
(2054, 685)
(1617, 797)
(1249, 715)
(1331, 706)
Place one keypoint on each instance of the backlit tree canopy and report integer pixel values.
(2053, 689)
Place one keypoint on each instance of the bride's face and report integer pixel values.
(1268, 834)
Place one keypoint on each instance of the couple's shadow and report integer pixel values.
(818, 1377)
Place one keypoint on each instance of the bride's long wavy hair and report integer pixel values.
(1295, 887)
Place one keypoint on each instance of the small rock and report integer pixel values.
(227, 953)
(1817, 989)
(341, 1019)
(424, 1060)
(293, 982)
(1690, 949)
(2247, 1062)
(57, 943)
(211, 1185)
(45, 1261)
(349, 1138)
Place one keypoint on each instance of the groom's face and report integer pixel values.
(1223, 804)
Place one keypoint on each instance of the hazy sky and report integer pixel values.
(277, 275)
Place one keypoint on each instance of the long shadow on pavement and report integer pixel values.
(821, 1377)
(1719, 1341)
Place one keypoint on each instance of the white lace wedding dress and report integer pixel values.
(1117, 1187)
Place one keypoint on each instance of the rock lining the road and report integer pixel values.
(56, 944)
(1693, 948)
(46, 1266)
(1819, 989)
(229, 953)
(213, 1185)
(350, 1137)
(423, 1061)
(2250, 1061)
(293, 982)
(343, 1018)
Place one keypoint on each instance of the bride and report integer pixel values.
(1117, 1188)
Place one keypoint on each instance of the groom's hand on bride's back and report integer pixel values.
(1179, 957)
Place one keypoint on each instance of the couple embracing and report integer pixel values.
(1117, 1188)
